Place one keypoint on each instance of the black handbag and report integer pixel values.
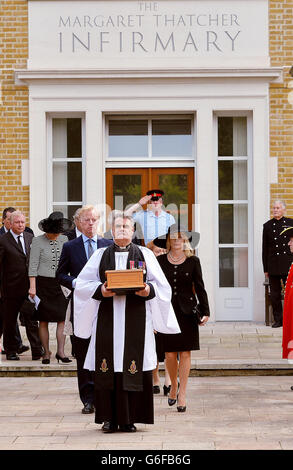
(28, 310)
(197, 313)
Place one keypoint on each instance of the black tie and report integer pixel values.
(19, 243)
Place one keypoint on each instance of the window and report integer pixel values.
(157, 138)
(233, 201)
(67, 165)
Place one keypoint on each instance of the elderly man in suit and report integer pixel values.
(276, 257)
(4, 229)
(74, 256)
(14, 257)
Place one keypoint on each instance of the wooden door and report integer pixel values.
(125, 186)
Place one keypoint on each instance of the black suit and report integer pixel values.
(72, 260)
(277, 259)
(14, 289)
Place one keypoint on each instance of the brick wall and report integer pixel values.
(14, 104)
(281, 112)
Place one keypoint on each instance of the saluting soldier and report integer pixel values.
(276, 257)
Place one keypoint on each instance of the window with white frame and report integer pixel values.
(150, 137)
(67, 164)
(233, 201)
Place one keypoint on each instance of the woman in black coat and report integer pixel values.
(183, 272)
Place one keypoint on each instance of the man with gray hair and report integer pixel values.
(14, 257)
(276, 257)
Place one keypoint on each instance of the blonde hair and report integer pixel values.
(90, 208)
(187, 249)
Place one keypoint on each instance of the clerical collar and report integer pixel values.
(123, 249)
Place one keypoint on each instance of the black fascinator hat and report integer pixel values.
(193, 237)
(55, 223)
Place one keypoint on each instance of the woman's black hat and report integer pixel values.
(193, 237)
(55, 223)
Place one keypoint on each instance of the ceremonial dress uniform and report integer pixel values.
(277, 260)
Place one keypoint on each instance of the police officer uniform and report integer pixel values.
(277, 260)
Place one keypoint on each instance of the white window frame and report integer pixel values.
(248, 201)
(50, 160)
(150, 160)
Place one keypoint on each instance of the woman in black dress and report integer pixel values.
(183, 272)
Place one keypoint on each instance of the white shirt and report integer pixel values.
(153, 225)
(21, 239)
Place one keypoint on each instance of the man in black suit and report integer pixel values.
(4, 229)
(276, 257)
(14, 256)
(74, 256)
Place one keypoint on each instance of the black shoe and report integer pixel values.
(166, 389)
(172, 401)
(277, 324)
(156, 389)
(2, 351)
(292, 387)
(22, 349)
(181, 409)
(65, 360)
(12, 357)
(88, 409)
(109, 427)
(45, 361)
(127, 428)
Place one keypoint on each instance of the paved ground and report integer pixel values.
(232, 412)
(222, 413)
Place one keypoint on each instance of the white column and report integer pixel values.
(40, 182)
(261, 202)
(94, 164)
(206, 187)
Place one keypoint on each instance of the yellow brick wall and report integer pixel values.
(13, 104)
(281, 112)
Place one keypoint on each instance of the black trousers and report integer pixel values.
(11, 307)
(84, 376)
(276, 296)
(17, 332)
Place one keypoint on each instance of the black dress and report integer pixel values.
(185, 279)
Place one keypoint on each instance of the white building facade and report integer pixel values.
(126, 95)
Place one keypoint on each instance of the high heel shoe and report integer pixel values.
(65, 360)
(181, 409)
(172, 401)
(45, 361)
(166, 389)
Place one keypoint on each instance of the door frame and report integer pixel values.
(150, 179)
